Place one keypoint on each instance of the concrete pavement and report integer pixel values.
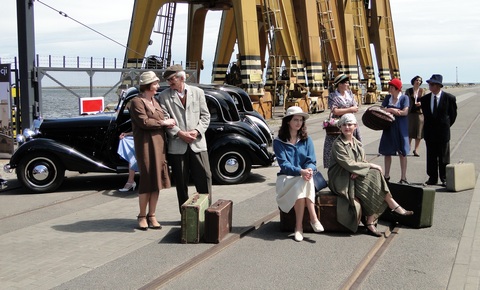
(83, 236)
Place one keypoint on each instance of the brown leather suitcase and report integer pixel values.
(218, 221)
(327, 212)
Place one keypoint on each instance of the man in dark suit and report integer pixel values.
(187, 146)
(439, 111)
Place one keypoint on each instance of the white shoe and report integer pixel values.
(298, 236)
(317, 227)
(128, 186)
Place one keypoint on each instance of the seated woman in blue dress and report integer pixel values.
(351, 176)
(126, 150)
(295, 155)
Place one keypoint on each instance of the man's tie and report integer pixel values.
(434, 105)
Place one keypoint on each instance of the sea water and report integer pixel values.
(60, 103)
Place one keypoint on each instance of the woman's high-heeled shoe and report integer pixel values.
(401, 211)
(372, 230)
(151, 225)
(139, 218)
(128, 186)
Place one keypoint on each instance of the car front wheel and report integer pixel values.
(40, 172)
(230, 166)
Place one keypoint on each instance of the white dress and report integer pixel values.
(291, 188)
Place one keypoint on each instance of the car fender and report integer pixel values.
(72, 159)
(258, 155)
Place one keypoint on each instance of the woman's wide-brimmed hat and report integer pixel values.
(148, 77)
(340, 78)
(295, 110)
(436, 79)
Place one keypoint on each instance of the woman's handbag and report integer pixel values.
(330, 125)
(319, 182)
(376, 118)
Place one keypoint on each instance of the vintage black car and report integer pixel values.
(89, 144)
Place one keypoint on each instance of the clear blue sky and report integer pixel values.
(431, 36)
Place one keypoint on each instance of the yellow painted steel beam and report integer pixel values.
(195, 32)
(143, 18)
(247, 25)
(307, 17)
(378, 35)
(362, 42)
(350, 67)
(225, 46)
(392, 46)
(289, 40)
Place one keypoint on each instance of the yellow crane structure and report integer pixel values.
(292, 48)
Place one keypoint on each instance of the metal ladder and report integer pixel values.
(165, 21)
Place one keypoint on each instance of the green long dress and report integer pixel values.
(369, 187)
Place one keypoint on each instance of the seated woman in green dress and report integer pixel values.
(350, 176)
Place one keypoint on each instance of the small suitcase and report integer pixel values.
(327, 212)
(460, 176)
(419, 199)
(218, 221)
(193, 218)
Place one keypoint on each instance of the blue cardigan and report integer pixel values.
(292, 158)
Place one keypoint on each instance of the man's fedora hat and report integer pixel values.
(436, 79)
(171, 71)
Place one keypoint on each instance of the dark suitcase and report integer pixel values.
(327, 212)
(419, 199)
(193, 218)
(218, 221)
(287, 220)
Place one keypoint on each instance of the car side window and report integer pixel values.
(213, 109)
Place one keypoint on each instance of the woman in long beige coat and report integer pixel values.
(148, 122)
(351, 176)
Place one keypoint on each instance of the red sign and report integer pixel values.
(91, 105)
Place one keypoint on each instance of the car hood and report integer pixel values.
(98, 120)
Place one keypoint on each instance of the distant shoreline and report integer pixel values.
(76, 87)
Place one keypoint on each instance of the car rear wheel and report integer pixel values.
(41, 172)
(230, 166)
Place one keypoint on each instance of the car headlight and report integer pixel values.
(28, 134)
(20, 139)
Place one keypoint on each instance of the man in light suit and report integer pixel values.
(439, 111)
(187, 147)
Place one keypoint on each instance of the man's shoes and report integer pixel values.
(444, 183)
(430, 182)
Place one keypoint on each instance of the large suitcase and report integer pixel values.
(460, 176)
(419, 199)
(327, 212)
(287, 220)
(193, 218)
(218, 221)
